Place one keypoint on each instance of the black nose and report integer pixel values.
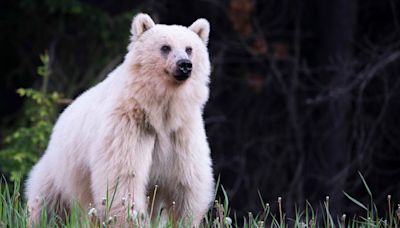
(184, 68)
(184, 65)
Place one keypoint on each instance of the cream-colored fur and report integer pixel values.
(139, 127)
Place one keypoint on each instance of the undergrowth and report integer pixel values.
(14, 213)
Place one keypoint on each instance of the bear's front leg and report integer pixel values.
(121, 170)
(123, 191)
(194, 186)
(191, 202)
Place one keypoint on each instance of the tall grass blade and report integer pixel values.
(356, 201)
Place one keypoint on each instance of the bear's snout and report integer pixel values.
(183, 69)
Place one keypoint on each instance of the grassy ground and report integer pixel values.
(14, 213)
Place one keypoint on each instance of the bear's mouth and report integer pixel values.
(178, 77)
(181, 76)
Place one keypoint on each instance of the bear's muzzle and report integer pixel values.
(183, 69)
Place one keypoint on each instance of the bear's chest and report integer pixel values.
(165, 159)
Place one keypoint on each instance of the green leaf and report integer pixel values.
(44, 58)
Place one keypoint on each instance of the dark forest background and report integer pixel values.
(304, 94)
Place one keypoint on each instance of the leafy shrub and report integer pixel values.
(23, 147)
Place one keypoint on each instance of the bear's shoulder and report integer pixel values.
(130, 110)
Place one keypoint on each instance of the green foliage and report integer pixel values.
(23, 147)
(14, 213)
(85, 42)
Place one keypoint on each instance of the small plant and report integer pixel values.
(23, 147)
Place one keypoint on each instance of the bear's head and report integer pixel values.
(170, 54)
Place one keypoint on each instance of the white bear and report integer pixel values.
(140, 127)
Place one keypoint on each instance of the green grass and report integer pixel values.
(14, 213)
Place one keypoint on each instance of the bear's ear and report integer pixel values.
(202, 28)
(140, 24)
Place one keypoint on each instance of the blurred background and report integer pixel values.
(304, 94)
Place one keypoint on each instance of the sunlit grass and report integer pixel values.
(14, 213)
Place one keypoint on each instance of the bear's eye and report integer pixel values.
(188, 50)
(165, 49)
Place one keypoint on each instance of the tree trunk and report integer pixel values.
(337, 27)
